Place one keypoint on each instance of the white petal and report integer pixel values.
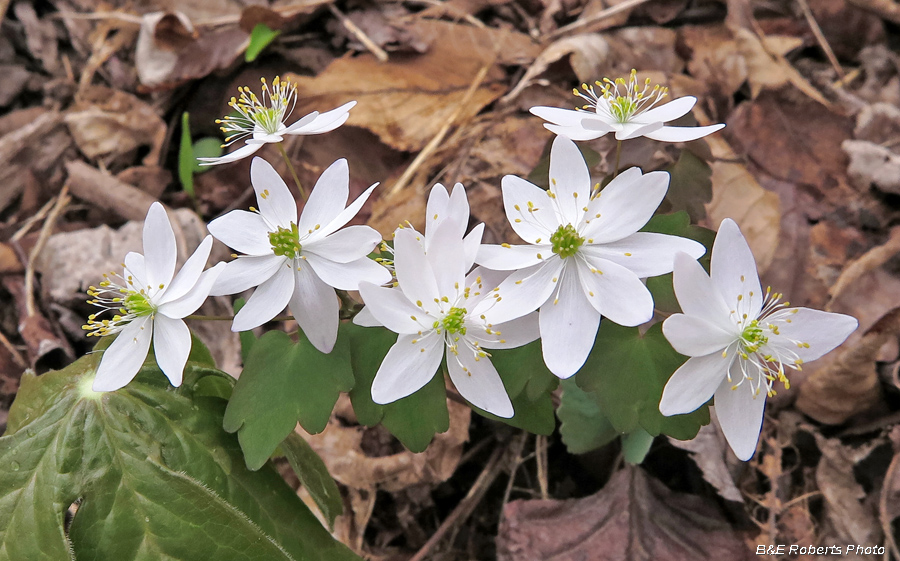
(172, 346)
(123, 358)
(471, 243)
(682, 134)
(568, 327)
(740, 414)
(575, 132)
(570, 180)
(239, 154)
(524, 291)
(822, 331)
(347, 276)
(615, 292)
(134, 267)
(364, 318)
(274, 199)
(346, 245)
(559, 116)
(324, 122)
(195, 296)
(442, 206)
(668, 112)
(512, 334)
(531, 225)
(316, 308)
(246, 272)
(436, 207)
(634, 129)
(733, 271)
(327, 199)
(645, 254)
(159, 247)
(693, 336)
(511, 257)
(390, 308)
(413, 270)
(300, 123)
(270, 298)
(447, 257)
(479, 383)
(624, 207)
(242, 231)
(189, 274)
(693, 384)
(697, 296)
(348, 213)
(407, 367)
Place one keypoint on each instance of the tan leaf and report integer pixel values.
(587, 55)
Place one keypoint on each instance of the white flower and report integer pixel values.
(626, 108)
(149, 304)
(438, 307)
(740, 339)
(262, 119)
(297, 263)
(585, 256)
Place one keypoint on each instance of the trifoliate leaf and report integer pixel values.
(583, 426)
(153, 475)
(260, 38)
(284, 383)
(314, 476)
(415, 419)
(628, 371)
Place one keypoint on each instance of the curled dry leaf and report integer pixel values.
(869, 261)
(108, 123)
(872, 165)
(587, 55)
(711, 453)
(714, 58)
(633, 518)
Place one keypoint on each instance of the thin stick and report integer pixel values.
(585, 25)
(20, 233)
(439, 137)
(467, 505)
(368, 43)
(518, 460)
(820, 37)
(17, 357)
(540, 458)
(292, 170)
(61, 203)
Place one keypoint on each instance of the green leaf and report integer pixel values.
(635, 445)
(627, 371)
(186, 159)
(200, 353)
(523, 369)
(534, 416)
(284, 383)
(583, 426)
(690, 185)
(260, 38)
(206, 147)
(314, 476)
(676, 224)
(415, 419)
(154, 474)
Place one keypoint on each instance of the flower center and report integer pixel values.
(566, 241)
(624, 98)
(454, 321)
(122, 300)
(753, 337)
(266, 112)
(286, 241)
(138, 304)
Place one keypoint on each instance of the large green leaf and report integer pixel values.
(284, 383)
(153, 474)
(583, 427)
(314, 476)
(628, 371)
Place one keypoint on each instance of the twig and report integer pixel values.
(61, 203)
(434, 142)
(540, 458)
(30, 221)
(518, 460)
(448, 7)
(379, 53)
(17, 357)
(585, 25)
(467, 505)
(820, 37)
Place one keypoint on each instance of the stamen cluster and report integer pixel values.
(265, 113)
(124, 300)
(623, 99)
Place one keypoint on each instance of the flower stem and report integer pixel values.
(292, 170)
(618, 158)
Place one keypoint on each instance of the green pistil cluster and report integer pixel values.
(138, 304)
(566, 241)
(268, 118)
(286, 242)
(623, 108)
(454, 321)
(753, 337)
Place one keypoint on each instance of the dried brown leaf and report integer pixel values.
(633, 518)
(587, 55)
(714, 58)
(710, 452)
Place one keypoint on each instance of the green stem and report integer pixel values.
(618, 158)
(292, 170)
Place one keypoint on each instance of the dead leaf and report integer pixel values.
(869, 261)
(107, 192)
(872, 165)
(633, 518)
(648, 49)
(407, 100)
(9, 261)
(711, 453)
(15, 79)
(40, 35)
(587, 55)
(109, 123)
(714, 58)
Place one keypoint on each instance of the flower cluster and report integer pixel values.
(451, 299)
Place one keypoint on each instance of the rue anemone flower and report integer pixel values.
(626, 107)
(584, 257)
(297, 262)
(260, 119)
(437, 310)
(741, 340)
(148, 302)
